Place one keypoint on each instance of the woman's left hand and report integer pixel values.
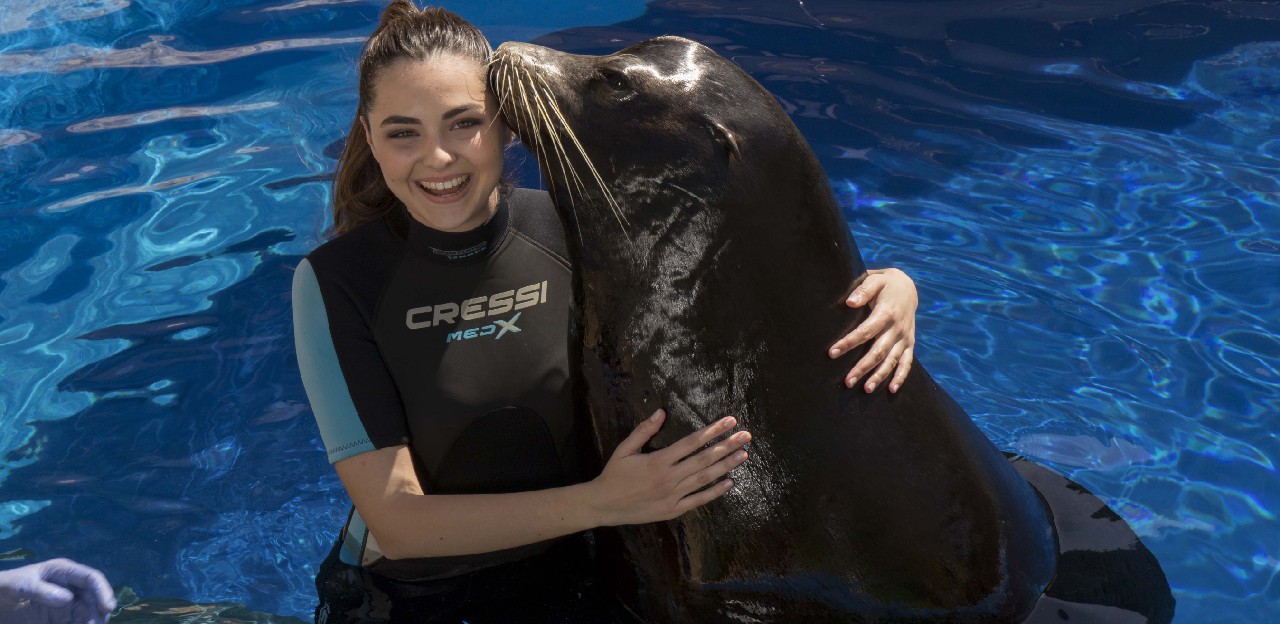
(892, 323)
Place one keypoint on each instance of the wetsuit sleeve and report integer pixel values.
(352, 395)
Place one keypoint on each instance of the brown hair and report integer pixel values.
(404, 32)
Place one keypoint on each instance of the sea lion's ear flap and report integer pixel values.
(727, 139)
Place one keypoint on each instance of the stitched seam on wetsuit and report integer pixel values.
(544, 249)
(350, 445)
(511, 223)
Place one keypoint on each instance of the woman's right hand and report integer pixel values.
(637, 487)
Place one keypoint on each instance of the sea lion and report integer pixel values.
(711, 270)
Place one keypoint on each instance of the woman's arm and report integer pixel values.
(892, 322)
(634, 488)
(377, 468)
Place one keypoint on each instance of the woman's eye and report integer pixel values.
(466, 123)
(400, 134)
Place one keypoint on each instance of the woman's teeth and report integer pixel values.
(444, 188)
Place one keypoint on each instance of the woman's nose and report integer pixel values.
(438, 155)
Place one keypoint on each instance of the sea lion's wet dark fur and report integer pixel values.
(711, 283)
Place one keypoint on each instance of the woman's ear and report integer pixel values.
(368, 138)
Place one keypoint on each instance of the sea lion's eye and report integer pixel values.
(615, 79)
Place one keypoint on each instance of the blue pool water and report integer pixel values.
(1085, 193)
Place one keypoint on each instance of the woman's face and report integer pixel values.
(434, 131)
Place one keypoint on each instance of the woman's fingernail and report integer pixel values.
(835, 352)
(728, 422)
(728, 483)
(848, 383)
(871, 387)
(740, 456)
(893, 388)
(656, 416)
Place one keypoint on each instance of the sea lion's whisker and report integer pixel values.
(613, 205)
(553, 154)
(554, 106)
(512, 85)
(561, 160)
(525, 125)
(562, 157)
(570, 172)
(608, 195)
(507, 101)
(535, 129)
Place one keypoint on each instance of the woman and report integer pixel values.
(431, 339)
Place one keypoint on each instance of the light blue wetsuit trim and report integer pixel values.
(353, 542)
(343, 433)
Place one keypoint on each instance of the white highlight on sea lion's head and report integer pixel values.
(688, 73)
(537, 63)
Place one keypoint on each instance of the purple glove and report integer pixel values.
(57, 591)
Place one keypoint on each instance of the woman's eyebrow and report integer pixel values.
(465, 108)
(400, 119)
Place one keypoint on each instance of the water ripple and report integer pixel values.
(19, 16)
(302, 4)
(155, 53)
(10, 137)
(164, 114)
(75, 202)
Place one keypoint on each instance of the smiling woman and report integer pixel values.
(447, 415)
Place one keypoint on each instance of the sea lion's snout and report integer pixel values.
(531, 83)
(537, 58)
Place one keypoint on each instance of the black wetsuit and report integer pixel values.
(456, 345)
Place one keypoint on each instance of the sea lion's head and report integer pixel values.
(629, 140)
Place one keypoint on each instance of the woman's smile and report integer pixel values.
(448, 190)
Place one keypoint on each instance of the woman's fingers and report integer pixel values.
(885, 349)
(641, 434)
(723, 463)
(687, 445)
(876, 354)
(637, 487)
(867, 290)
(904, 367)
(885, 367)
(700, 498)
(874, 324)
(890, 325)
(709, 457)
